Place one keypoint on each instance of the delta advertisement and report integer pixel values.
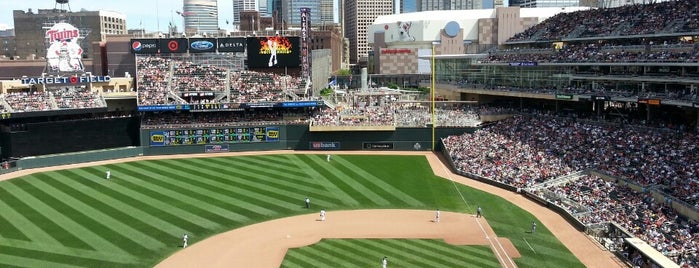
(273, 51)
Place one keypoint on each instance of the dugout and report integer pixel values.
(643, 255)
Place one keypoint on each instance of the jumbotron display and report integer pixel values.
(214, 136)
(273, 51)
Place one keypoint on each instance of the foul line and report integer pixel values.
(497, 252)
(530, 246)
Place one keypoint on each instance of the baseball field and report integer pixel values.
(75, 217)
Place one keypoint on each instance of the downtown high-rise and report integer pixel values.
(358, 15)
(200, 16)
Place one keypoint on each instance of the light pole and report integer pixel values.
(432, 93)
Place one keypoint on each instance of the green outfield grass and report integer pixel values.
(402, 252)
(78, 218)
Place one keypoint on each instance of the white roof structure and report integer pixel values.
(425, 26)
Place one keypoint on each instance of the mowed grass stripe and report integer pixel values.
(14, 225)
(330, 186)
(274, 174)
(77, 230)
(41, 248)
(290, 174)
(76, 212)
(251, 197)
(426, 254)
(126, 182)
(289, 197)
(316, 260)
(116, 225)
(47, 226)
(210, 182)
(137, 218)
(6, 259)
(330, 251)
(294, 260)
(348, 250)
(443, 248)
(399, 256)
(352, 182)
(146, 204)
(379, 183)
(187, 187)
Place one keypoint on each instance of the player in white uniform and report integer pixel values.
(184, 240)
(436, 216)
(384, 262)
(327, 158)
(322, 215)
(109, 174)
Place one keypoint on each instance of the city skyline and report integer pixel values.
(151, 15)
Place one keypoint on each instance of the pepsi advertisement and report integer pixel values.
(273, 51)
(173, 45)
(144, 46)
(202, 45)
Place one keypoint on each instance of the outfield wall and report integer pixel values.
(288, 137)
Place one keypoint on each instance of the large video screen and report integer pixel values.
(273, 51)
(214, 136)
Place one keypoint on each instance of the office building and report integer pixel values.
(200, 16)
(408, 6)
(243, 5)
(358, 16)
(31, 27)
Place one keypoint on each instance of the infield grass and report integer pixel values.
(76, 217)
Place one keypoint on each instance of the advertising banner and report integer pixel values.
(216, 148)
(273, 51)
(230, 44)
(173, 45)
(272, 134)
(378, 146)
(324, 145)
(144, 46)
(202, 45)
(157, 138)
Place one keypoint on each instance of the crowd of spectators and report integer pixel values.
(593, 52)
(222, 119)
(61, 99)
(163, 81)
(254, 87)
(547, 147)
(525, 151)
(657, 223)
(638, 19)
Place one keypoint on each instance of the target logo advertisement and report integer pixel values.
(173, 45)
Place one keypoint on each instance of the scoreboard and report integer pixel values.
(214, 136)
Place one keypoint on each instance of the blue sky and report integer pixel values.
(151, 12)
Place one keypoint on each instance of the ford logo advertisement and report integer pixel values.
(202, 45)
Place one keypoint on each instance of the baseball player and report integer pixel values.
(478, 212)
(308, 202)
(436, 216)
(533, 227)
(327, 157)
(384, 262)
(184, 240)
(322, 215)
(109, 174)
